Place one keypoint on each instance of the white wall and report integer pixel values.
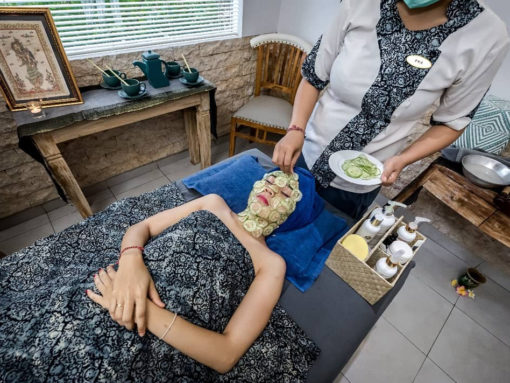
(260, 16)
(308, 19)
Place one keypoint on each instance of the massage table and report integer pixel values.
(335, 316)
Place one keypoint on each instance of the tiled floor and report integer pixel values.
(427, 335)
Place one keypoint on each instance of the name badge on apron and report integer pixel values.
(418, 61)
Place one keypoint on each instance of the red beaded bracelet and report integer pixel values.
(130, 247)
(295, 127)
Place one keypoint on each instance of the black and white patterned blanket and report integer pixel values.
(51, 332)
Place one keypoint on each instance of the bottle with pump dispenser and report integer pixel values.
(389, 218)
(386, 267)
(407, 233)
(370, 227)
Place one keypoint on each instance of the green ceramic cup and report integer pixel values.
(471, 278)
(133, 88)
(173, 69)
(110, 80)
(190, 77)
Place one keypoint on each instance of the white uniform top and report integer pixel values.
(349, 56)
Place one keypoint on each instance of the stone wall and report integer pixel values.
(229, 64)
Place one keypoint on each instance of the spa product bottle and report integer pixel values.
(389, 218)
(407, 233)
(370, 227)
(406, 253)
(387, 266)
(417, 244)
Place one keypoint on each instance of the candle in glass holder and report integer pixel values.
(35, 108)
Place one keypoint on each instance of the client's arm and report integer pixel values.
(133, 280)
(220, 351)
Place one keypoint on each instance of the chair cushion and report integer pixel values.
(267, 110)
(489, 130)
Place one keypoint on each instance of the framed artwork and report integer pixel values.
(33, 64)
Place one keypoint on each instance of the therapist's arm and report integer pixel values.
(288, 149)
(433, 140)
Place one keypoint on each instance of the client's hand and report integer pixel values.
(131, 286)
(104, 283)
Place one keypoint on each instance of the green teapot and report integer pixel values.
(151, 67)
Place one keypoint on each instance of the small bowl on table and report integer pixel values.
(192, 76)
(485, 171)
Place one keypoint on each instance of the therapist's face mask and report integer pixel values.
(419, 3)
(271, 201)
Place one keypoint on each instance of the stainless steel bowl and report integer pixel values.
(485, 171)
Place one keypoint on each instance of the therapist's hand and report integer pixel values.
(392, 168)
(288, 149)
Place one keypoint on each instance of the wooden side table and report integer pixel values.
(103, 110)
(470, 201)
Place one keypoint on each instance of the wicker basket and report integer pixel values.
(360, 275)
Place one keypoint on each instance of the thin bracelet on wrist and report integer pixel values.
(129, 248)
(295, 127)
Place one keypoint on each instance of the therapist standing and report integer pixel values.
(387, 62)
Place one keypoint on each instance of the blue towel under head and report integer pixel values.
(304, 240)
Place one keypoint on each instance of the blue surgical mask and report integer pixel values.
(419, 3)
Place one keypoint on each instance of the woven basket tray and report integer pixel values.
(360, 275)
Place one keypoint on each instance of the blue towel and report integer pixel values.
(304, 240)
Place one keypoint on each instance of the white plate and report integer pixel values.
(337, 159)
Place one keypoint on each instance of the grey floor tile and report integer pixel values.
(19, 218)
(431, 373)
(95, 188)
(24, 227)
(173, 158)
(470, 354)
(341, 379)
(136, 181)
(492, 271)
(490, 308)
(436, 267)
(419, 313)
(443, 240)
(63, 211)
(97, 203)
(27, 238)
(121, 178)
(54, 204)
(64, 222)
(179, 169)
(150, 186)
(385, 356)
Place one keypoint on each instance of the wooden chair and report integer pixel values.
(279, 60)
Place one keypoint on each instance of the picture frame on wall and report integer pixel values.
(33, 63)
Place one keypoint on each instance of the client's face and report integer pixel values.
(270, 203)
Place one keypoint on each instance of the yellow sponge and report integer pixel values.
(357, 245)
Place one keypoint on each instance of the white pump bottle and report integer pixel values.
(387, 266)
(407, 233)
(370, 227)
(389, 218)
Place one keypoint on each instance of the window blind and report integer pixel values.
(90, 27)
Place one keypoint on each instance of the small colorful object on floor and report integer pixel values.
(461, 290)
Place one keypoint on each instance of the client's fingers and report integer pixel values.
(127, 314)
(140, 304)
(99, 284)
(97, 298)
(105, 279)
(111, 272)
(154, 295)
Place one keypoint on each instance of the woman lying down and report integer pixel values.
(218, 279)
